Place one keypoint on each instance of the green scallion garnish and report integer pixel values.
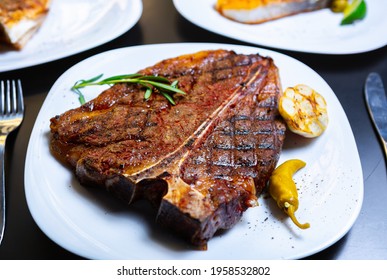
(151, 84)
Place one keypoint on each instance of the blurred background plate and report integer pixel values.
(313, 32)
(73, 26)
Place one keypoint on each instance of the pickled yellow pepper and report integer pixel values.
(283, 189)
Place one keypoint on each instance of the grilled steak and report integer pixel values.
(202, 162)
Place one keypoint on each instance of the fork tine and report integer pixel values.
(8, 98)
(2, 95)
(20, 101)
(13, 99)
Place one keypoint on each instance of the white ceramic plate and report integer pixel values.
(73, 26)
(314, 32)
(97, 226)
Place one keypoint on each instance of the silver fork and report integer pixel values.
(11, 116)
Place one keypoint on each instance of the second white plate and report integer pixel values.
(73, 26)
(314, 32)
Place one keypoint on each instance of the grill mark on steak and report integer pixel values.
(200, 163)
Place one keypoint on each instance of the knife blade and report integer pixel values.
(376, 101)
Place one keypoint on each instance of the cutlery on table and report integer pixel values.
(376, 101)
(11, 116)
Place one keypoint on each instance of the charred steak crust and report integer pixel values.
(200, 163)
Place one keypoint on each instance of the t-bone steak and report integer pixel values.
(200, 163)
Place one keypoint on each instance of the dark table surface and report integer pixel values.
(161, 23)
